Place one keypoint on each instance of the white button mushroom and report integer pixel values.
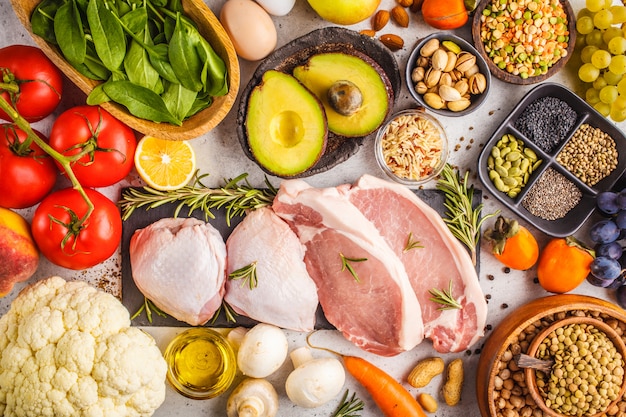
(313, 382)
(262, 349)
(253, 398)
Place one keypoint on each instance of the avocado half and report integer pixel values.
(286, 125)
(324, 70)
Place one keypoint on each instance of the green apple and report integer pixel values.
(344, 12)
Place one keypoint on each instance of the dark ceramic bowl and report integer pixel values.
(585, 114)
(476, 100)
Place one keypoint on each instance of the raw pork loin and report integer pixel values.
(284, 295)
(386, 307)
(180, 265)
(396, 211)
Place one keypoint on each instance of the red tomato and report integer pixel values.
(25, 178)
(55, 221)
(35, 83)
(108, 144)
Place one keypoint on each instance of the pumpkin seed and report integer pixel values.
(510, 164)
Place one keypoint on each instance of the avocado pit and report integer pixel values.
(345, 97)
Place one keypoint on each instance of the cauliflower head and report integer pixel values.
(67, 349)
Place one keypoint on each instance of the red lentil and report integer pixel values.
(525, 37)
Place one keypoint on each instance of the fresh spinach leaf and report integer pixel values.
(184, 57)
(97, 96)
(42, 20)
(68, 30)
(139, 69)
(107, 33)
(203, 101)
(160, 62)
(179, 100)
(136, 20)
(214, 68)
(140, 101)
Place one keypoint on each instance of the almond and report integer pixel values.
(416, 6)
(405, 3)
(368, 32)
(391, 41)
(380, 20)
(400, 16)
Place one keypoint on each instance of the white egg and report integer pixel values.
(250, 28)
(277, 7)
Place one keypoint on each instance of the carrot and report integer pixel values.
(391, 397)
(388, 394)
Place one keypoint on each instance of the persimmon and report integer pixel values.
(445, 14)
(513, 244)
(564, 264)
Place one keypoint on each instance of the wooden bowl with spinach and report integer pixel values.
(170, 72)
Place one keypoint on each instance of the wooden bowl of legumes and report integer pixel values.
(164, 99)
(502, 387)
(586, 374)
(524, 41)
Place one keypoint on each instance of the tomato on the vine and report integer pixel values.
(108, 145)
(26, 175)
(63, 241)
(30, 82)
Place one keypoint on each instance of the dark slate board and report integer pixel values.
(133, 299)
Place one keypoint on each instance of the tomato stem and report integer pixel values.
(9, 87)
(63, 160)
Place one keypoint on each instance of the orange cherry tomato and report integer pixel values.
(564, 264)
(513, 244)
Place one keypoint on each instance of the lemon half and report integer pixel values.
(165, 164)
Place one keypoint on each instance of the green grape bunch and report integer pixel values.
(602, 44)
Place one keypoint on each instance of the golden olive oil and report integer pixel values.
(201, 363)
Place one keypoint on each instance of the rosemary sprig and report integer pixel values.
(445, 298)
(234, 197)
(463, 220)
(349, 407)
(247, 274)
(411, 244)
(148, 306)
(229, 313)
(346, 264)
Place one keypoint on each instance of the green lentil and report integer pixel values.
(567, 389)
(591, 154)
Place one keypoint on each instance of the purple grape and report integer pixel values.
(607, 202)
(597, 282)
(612, 250)
(621, 200)
(620, 219)
(621, 296)
(605, 268)
(618, 282)
(604, 231)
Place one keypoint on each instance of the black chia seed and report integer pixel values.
(547, 121)
(552, 196)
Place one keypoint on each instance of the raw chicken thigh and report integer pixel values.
(284, 294)
(180, 265)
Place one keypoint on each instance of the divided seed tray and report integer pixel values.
(574, 219)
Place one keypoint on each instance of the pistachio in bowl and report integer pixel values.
(446, 75)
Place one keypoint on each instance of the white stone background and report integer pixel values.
(219, 154)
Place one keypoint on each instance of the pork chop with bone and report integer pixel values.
(385, 306)
(180, 265)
